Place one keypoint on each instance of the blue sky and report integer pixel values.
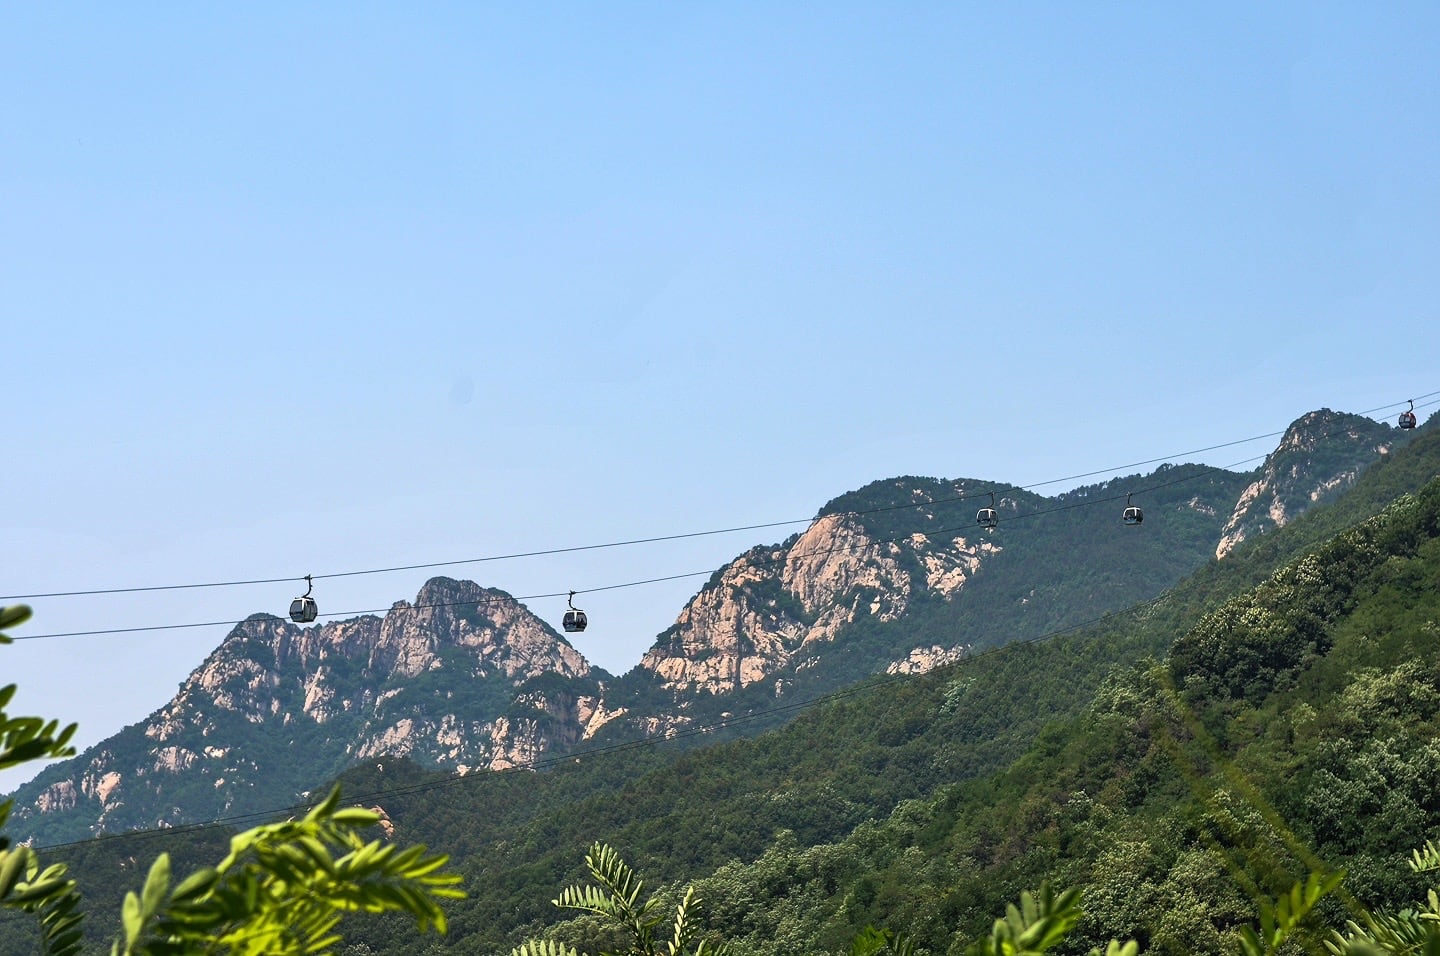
(291, 289)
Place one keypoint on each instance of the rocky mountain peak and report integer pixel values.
(502, 633)
(1320, 455)
(456, 678)
(773, 608)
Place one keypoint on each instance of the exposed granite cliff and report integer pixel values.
(1320, 455)
(465, 677)
(770, 609)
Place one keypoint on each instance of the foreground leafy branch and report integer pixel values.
(1410, 931)
(1040, 923)
(281, 891)
(872, 941)
(1282, 919)
(617, 899)
(26, 884)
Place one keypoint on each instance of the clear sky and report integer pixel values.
(307, 288)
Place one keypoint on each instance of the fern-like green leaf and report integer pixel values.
(543, 947)
(1426, 858)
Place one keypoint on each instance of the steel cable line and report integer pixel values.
(1089, 502)
(657, 538)
(635, 743)
(690, 574)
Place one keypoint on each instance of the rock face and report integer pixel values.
(464, 677)
(922, 660)
(769, 610)
(1321, 454)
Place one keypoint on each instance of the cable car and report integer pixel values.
(1132, 515)
(303, 609)
(574, 618)
(987, 517)
(1407, 419)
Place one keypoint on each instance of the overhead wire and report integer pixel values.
(817, 552)
(1088, 502)
(691, 574)
(550, 552)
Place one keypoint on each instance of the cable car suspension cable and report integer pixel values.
(647, 540)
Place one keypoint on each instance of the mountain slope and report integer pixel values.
(1286, 486)
(894, 576)
(1292, 728)
(842, 781)
(886, 807)
(464, 676)
(897, 575)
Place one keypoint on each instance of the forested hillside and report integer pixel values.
(882, 809)
(1292, 723)
(1293, 729)
(935, 585)
(895, 576)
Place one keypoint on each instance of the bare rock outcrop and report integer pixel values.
(1320, 455)
(402, 684)
(922, 660)
(771, 609)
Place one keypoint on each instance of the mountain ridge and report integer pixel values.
(465, 677)
(335, 693)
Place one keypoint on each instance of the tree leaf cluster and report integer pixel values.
(282, 888)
